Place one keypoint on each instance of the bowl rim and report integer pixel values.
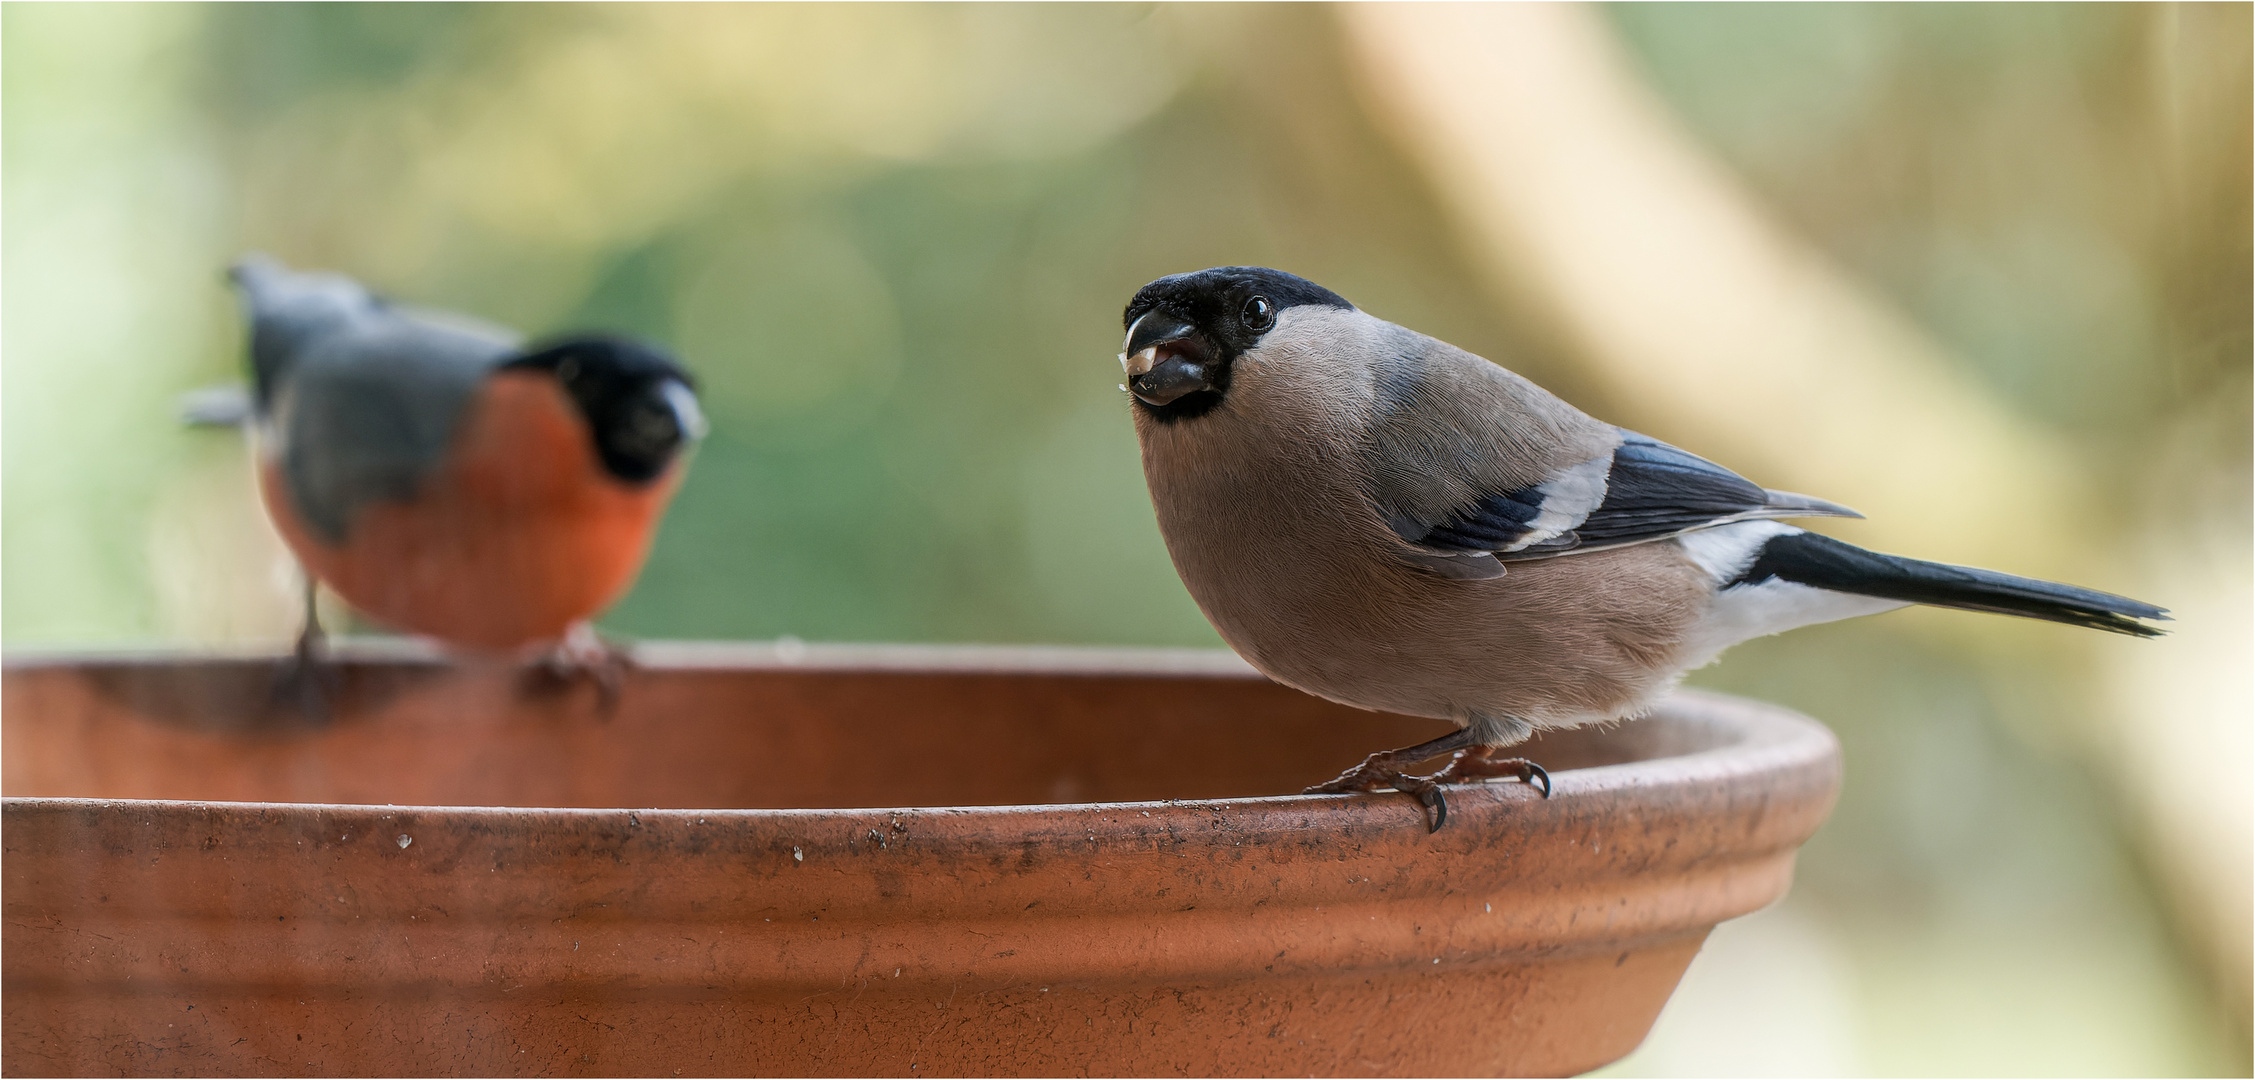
(673, 655)
(1760, 737)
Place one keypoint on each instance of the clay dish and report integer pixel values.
(840, 861)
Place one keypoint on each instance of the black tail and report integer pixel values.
(1807, 558)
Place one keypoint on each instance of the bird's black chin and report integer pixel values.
(1186, 407)
(1177, 380)
(1174, 370)
(1170, 380)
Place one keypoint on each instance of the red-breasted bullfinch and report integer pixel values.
(447, 480)
(1387, 521)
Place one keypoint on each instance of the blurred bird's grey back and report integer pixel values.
(357, 398)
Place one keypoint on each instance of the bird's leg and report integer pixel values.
(584, 654)
(312, 640)
(306, 677)
(1492, 732)
(1478, 763)
(1384, 769)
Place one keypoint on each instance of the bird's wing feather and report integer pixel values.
(361, 396)
(1466, 459)
(1640, 490)
(1472, 466)
(369, 410)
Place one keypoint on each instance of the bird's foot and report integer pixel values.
(305, 680)
(1474, 764)
(1384, 770)
(584, 655)
(1470, 763)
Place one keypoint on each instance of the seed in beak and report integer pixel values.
(1140, 362)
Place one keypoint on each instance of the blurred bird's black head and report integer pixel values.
(640, 406)
(1184, 332)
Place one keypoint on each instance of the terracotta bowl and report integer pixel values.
(1080, 862)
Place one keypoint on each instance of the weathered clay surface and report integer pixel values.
(981, 934)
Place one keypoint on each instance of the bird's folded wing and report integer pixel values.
(372, 408)
(1640, 490)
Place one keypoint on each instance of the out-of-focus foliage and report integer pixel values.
(2057, 191)
(894, 243)
(2061, 195)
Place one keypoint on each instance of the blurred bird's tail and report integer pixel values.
(287, 309)
(226, 405)
(1821, 562)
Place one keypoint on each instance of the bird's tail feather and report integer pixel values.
(227, 405)
(286, 308)
(1819, 561)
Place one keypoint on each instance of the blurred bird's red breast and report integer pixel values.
(516, 536)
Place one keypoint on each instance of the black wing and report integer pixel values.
(1643, 490)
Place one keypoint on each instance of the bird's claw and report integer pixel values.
(1376, 771)
(584, 654)
(1473, 765)
(307, 684)
(1434, 800)
(1383, 770)
(305, 679)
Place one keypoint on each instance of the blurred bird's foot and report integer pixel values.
(584, 655)
(1384, 770)
(1474, 763)
(306, 680)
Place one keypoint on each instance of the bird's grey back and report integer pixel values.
(362, 398)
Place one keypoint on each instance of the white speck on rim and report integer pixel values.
(405, 840)
(797, 855)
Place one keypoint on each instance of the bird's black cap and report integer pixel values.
(1203, 321)
(1213, 296)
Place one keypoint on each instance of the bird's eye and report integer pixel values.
(1259, 314)
(647, 429)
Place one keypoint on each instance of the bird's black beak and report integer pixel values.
(1164, 359)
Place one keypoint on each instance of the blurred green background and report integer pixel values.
(894, 243)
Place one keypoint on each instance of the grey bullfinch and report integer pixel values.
(448, 480)
(1382, 519)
